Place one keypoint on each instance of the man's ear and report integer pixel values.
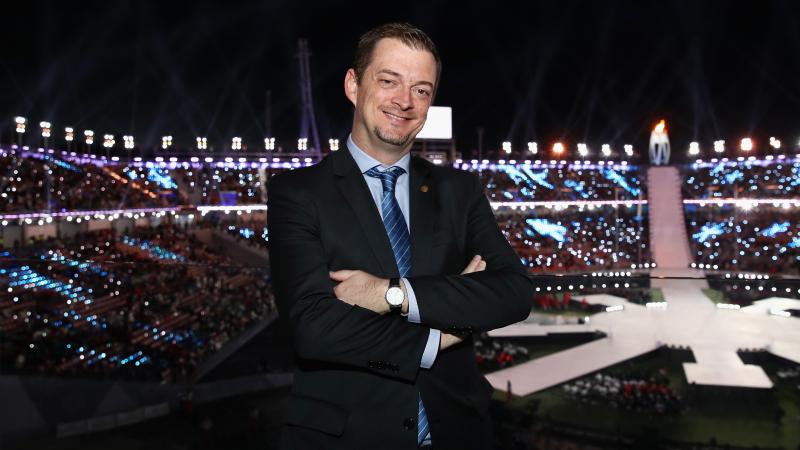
(351, 86)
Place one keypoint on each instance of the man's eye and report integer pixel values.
(386, 82)
(423, 92)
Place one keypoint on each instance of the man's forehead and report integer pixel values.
(393, 56)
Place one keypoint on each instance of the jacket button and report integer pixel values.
(410, 423)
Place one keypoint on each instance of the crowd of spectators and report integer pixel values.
(749, 178)
(252, 232)
(152, 304)
(631, 392)
(523, 183)
(576, 239)
(762, 238)
(42, 182)
(495, 354)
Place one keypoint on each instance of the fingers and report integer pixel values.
(476, 264)
(341, 275)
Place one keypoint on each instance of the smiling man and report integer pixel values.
(383, 265)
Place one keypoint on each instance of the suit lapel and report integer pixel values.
(352, 186)
(422, 205)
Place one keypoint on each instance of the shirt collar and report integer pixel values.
(366, 162)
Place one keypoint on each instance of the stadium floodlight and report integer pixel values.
(46, 128)
(334, 144)
(69, 134)
(583, 150)
(128, 141)
(606, 150)
(202, 143)
(746, 144)
(302, 144)
(694, 148)
(236, 143)
(628, 149)
(89, 137)
(108, 140)
(507, 147)
(166, 142)
(269, 143)
(775, 143)
(533, 147)
(558, 148)
(719, 146)
(21, 123)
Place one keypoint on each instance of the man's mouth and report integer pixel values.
(395, 116)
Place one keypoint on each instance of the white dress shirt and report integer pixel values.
(365, 163)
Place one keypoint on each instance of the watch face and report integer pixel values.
(394, 296)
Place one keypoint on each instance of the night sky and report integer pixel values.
(578, 71)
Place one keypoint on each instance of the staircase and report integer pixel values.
(668, 239)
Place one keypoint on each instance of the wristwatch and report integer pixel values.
(395, 296)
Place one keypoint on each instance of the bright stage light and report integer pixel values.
(628, 149)
(583, 150)
(533, 148)
(606, 150)
(694, 148)
(719, 146)
(166, 142)
(269, 143)
(558, 148)
(334, 144)
(302, 144)
(108, 140)
(21, 123)
(69, 134)
(89, 135)
(775, 143)
(746, 144)
(128, 141)
(45, 126)
(236, 143)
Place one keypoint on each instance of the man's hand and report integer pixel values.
(360, 288)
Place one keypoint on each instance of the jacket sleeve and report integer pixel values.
(494, 298)
(323, 327)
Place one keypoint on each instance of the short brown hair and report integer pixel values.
(405, 33)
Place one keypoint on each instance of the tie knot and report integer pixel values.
(388, 177)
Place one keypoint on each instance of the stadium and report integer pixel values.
(137, 306)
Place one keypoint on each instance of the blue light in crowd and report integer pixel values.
(620, 180)
(733, 176)
(161, 177)
(545, 228)
(153, 250)
(795, 242)
(538, 178)
(247, 233)
(577, 186)
(776, 228)
(708, 231)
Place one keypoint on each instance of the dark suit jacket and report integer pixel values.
(358, 373)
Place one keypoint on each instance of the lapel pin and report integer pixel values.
(424, 188)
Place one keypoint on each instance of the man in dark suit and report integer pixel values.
(367, 250)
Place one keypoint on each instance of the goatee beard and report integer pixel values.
(398, 141)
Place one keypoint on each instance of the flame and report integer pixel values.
(661, 127)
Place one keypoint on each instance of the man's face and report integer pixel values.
(393, 95)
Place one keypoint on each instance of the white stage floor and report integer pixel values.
(690, 320)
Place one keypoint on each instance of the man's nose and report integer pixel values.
(403, 99)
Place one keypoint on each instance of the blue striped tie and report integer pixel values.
(396, 229)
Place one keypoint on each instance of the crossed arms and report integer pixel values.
(347, 324)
